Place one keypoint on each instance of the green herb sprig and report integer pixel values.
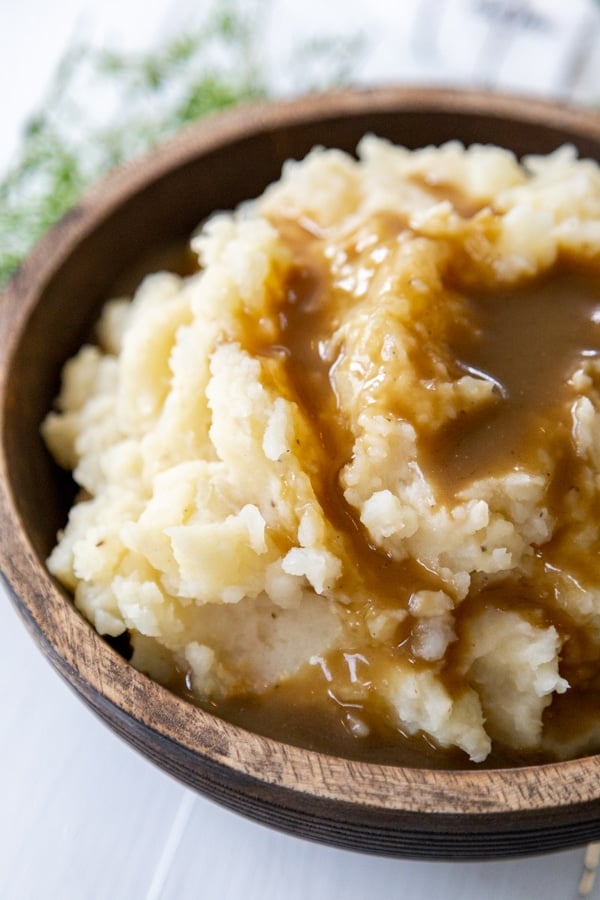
(139, 100)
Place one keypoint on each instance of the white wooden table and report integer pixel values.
(82, 816)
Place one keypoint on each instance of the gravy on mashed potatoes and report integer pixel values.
(342, 483)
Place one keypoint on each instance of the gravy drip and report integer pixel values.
(527, 341)
(309, 317)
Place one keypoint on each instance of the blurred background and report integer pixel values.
(91, 83)
(85, 84)
(543, 47)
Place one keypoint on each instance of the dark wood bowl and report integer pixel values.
(45, 314)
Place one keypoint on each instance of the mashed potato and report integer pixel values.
(359, 450)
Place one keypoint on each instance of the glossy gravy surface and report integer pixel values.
(527, 341)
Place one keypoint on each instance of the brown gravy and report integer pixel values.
(527, 341)
(442, 190)
(307, 318)
(301, 713)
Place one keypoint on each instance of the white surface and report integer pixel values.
(83, 817)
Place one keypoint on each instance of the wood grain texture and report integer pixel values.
(45, 314)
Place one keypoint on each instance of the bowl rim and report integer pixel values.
(105, 680)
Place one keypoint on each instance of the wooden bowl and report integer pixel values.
(45, 313)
